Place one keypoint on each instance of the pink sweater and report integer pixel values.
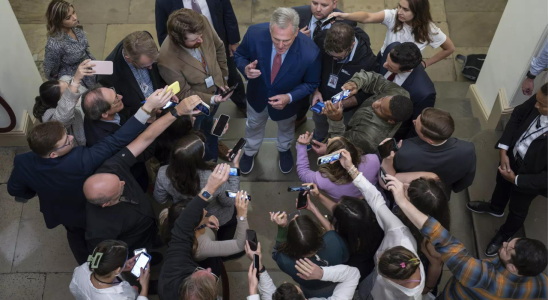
(369, 166)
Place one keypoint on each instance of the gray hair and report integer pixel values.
(283, 16)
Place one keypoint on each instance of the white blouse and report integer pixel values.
(406, 33)
(82, 288)
(395, 234)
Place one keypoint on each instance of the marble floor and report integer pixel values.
(36, 263)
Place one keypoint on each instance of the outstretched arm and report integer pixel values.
(361, 16)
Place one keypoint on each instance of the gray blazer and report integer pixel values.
(71, 117)
(220, 205)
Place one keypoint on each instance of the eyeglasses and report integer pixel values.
(116, 99)
(68, 141)
(202, 269)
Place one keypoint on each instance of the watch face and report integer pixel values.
(206, 194)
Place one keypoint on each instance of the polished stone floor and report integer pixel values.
(36, 263)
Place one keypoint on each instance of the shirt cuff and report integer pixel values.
(141, 116)
(516, 180)
(254, 297)
(212, 101)
(502, 146)
(290, 97)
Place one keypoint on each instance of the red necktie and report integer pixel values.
(275, 67)
(391, 77)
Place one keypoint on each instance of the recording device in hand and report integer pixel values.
(175, 88)
(102, 67)
(137, 251)
(386, 148)
(230, 89)
(292, 215)
(256, 262)
(298, 188)
(328, 20)
(234, 172)
(302, 201)
(204, 108)
(240, 145)
(251, 237)
(141, 262)
(232, 194)
(329, 158)
(383, 176)
(317, 108)
(220, 126)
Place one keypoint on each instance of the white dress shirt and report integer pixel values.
(347, 276)
(82, 288)
(203, 7)
(400, 77)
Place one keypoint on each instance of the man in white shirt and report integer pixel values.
(521, 176)
(259, 279)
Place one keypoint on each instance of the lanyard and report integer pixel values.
(333, 66)
(204, 62)
(537, 119)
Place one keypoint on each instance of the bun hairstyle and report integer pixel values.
(50, 93)
(108, 256)
(398, 263)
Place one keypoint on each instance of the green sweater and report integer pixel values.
(365, 128)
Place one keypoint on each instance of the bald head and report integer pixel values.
(103, 189)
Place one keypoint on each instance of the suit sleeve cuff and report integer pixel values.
(502, 146)
(141, 116)
(290, 97)
(516, 180)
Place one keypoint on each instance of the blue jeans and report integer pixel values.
(204, 124)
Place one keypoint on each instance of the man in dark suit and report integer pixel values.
(56, 171)
(135, 73)
(522, 172)
(434, 150)
(401, 64)
(282, 66)
(310, 24)
(221, 16)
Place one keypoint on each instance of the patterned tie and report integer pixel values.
(391, 77)
(275, 67)
(196, 6)
(317, 29)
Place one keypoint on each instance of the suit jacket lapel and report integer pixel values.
(177, 4)
(127, 73)
(290, 59)
(188, 59)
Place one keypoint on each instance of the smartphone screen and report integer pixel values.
(256, 261)
(229, 90)
(251, 237)
(203, 108)
(383, 176)
(141, 262)
(302, 201)
(239, 146)
(386, 148)
(292, 215)
(234, 172)
(233, 194)
(137, 251)
(221, 124)
(317, 108)
(328, 158)
(298, 188)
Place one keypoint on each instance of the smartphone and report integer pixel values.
(220, 127)
(203, 107)
(329, 158)
(141, 262)
(292, 215)
(302, 201)
(256, 262)
(383, 176)
(230, 89)
(386, 148)
(170, 105)
(317, 108)
(240, 145)
(328, 20)
(340, 96)
(175, 87)
(102, 67)
(298, 188)
(137, 251)
(232, 194)
(234, 172)
(251, 237)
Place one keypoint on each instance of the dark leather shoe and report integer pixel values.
(286, 161)
(246, 163)
(482, 207)
(495, 244)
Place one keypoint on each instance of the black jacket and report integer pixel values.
(305, 15)
(124, 82)
(222, 15)
(454, 161)
(178, 263)
(532, 174)
(363, 59)
(421, 91)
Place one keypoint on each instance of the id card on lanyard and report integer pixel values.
(209, 80)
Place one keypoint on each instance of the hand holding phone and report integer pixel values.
(251, 237)
(229, 90)
(298, 188)
(240, 145)
(219, 128)
(293, 215)
(102, 67)
(329, 158)
(383, 176)
(204, 108)
(302, 200)
(141, 262)
(387, 147)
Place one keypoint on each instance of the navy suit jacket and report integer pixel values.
(59, 181)
(299, 74)
(222, 15)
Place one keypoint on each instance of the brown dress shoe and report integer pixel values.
(222, 151)
(300, 122)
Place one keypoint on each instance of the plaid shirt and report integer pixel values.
(479, 279)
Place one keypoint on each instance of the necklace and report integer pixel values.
(101, 282)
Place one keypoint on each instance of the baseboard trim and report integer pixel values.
(18, 138)
(500, 107)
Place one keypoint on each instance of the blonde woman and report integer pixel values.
(67, 44)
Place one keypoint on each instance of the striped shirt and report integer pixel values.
(479, 279)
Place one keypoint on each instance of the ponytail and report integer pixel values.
(50, 93)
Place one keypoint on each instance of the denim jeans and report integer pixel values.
(204, 124)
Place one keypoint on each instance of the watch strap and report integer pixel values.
(173, 112)
(530, 76)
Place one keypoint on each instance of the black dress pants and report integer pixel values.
(238, 97)
(77, 242)
(519, 199)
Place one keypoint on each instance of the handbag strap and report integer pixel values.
(461, 59)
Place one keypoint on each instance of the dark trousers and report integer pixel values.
(204, 124)
(77, 242)
(304, 105)
(238, 97)
(520, 201)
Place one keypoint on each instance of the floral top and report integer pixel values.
(64, 54)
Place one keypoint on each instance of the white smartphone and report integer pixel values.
(102, 67)
(141, 262)
(137, 251)
(329, 158)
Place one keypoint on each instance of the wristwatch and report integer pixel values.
(173, 112)
(205, 194)
(242, 218)
(531, 76)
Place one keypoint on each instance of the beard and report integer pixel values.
(195, 46)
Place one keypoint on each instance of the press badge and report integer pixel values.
(333, 81)
(209, 82)
(144, 88)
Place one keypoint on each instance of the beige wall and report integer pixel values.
(520, 32)
(19, 78)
